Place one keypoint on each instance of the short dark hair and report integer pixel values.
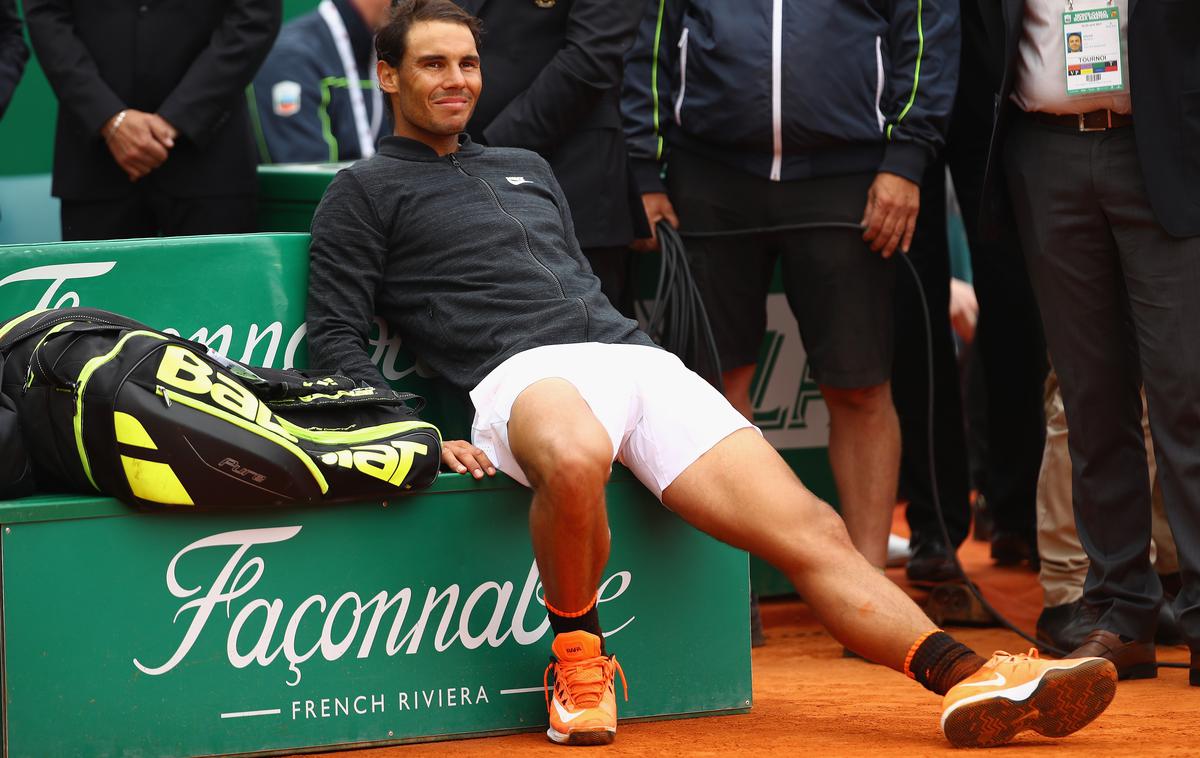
(392, 39)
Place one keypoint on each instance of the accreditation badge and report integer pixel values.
(1092, 43)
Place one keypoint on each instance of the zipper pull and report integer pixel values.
(454, 161)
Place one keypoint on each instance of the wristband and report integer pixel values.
(116, 124)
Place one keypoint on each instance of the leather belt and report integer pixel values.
(1093, 121)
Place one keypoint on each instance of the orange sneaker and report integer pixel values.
(583, 709)
(1015, 693)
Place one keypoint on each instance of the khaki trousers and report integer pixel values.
(1064, 564)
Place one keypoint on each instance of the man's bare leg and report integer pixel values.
(864, 452)
(743, 493)
(567, 456)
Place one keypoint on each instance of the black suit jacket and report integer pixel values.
(1164, 66)
(13, 52)
(551, 84)
(187, 60)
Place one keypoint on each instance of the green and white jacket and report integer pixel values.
(305, 97)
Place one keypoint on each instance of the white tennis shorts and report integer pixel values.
(659, 415)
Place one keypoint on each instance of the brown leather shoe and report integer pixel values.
(1133, 659)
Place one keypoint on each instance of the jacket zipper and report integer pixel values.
(777, 89)
(683, 51)
(879, 83)
(524, 232)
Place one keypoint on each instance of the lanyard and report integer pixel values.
(341, 38)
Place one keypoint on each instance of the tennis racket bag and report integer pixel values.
(106, 404)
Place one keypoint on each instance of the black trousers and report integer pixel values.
(149, 212)
(1119, 303)
(930, 254)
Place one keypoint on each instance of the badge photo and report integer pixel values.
(285, 98)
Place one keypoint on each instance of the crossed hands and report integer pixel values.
(140, 141)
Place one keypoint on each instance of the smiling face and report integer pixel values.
(1074, 43)
(436, 84)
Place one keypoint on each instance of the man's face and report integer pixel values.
(1074, 43)
(436, 85)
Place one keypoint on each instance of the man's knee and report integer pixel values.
(860, 399)
(820, 542)
(827, 532)
(575, 470)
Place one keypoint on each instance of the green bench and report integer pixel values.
(168, 633)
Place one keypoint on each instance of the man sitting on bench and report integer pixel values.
(470, 253)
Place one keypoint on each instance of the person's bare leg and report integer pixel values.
(743, 493)
(864, 452)
(736, 383)
(567, 455)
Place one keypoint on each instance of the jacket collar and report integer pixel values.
(412, 150)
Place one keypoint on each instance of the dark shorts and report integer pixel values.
(840, 292)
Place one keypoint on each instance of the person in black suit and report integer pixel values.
(13, 52)
(553, 86)
(153, 133)
(1103, 187)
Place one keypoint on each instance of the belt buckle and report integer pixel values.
(1083, 127)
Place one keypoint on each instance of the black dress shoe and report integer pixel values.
(1194, 670)
(930, 563)
(1065, 627)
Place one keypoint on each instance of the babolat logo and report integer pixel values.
(183, 370)
(389, 462)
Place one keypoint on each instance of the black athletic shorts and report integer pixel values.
(839, 290)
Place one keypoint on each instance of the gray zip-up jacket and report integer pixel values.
(471, 257)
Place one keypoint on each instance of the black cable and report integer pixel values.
(679, 321)
(665, 231)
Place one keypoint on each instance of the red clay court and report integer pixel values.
(810, 701)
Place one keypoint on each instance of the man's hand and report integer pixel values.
(891, 214)
(964, 310)
(461, 456)
(658, 208)
(139, 142)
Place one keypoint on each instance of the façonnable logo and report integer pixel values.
(260, 345)
(262, 631)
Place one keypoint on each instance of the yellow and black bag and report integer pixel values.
(107, 404)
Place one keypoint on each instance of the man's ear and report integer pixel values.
(388, 77)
